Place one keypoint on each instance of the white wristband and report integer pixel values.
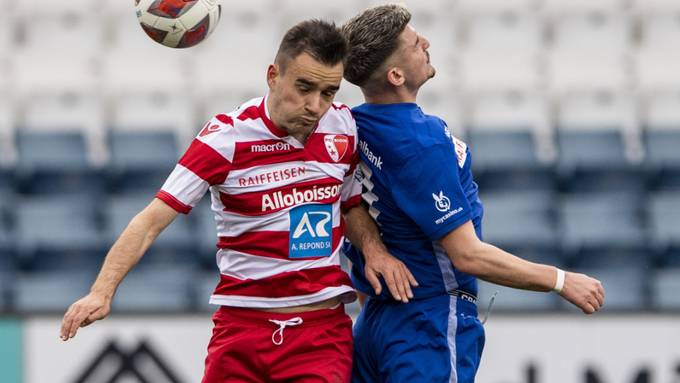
(559, 283)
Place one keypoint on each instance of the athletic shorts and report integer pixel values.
(433, 340)
(261, 347)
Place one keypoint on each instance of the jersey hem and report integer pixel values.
(347, 295)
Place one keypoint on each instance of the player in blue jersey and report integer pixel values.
(419, 188)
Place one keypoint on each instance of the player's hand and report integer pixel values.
(84, 312)
(398, 278)
(583, 292)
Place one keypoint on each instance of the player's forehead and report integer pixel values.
(307, 69)
(409, 36)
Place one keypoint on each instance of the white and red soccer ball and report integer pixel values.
(178, 23)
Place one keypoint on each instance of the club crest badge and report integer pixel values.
(336, 146)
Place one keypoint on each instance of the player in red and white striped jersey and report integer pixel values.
(280, 170)
(278, 204)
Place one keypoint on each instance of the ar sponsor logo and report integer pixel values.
(441, 202)
(269, 148)
(311, 232)
(281, 199)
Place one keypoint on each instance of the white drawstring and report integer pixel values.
(282, 325)
(488, 309)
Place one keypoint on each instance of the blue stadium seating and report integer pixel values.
(53, 162)
(206, 232)
(141, 161)
(513, 219)
(595, 160)
(203, 288)
(175, 244)
(663, 159)
(50, 292)
(62, 152)
(665, 288)
(513, 300)
(591, 149)
(625, 287)
(661, 148)
(507, 160)
(600, 220)
(156, 289)
(663, 212)
(57, 232)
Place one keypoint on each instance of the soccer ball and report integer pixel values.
(178, 23)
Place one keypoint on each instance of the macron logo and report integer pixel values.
(370, 157)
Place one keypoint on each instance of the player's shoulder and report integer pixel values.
(338, 119)
(227, 127)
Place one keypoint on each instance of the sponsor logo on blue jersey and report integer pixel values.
(311, 231)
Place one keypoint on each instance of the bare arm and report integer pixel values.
(472, 256)
(363, 233)
(143, 229)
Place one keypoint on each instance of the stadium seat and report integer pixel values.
(663, 217)
(600, 220)
(625, 288)
(49, 292)
(174, 245)
(503, 148)
(73, 33)
(658, 30)
(657, 6)
(206, 232)
(655, 69)
(593, 31)
(57, 232)
(591, 149)
(665, 287)
(203, 288)
(661, 148)
(294, 11)
(155, 290)
(519, 219)
(513, 300)
(7, 124)
(570, 6)
(141, 161)
(215, 68)
(59, 151)
(155, 112)
(6, 231)
(574, 70)
(503, 31)
(487, 71)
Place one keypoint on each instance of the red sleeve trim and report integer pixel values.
(350, 203)
(173, 202)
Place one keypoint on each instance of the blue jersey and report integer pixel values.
(417, 182)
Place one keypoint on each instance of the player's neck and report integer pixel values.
(391, 96)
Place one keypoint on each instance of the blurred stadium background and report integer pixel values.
(571, 109)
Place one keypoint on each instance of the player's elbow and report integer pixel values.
(464, 260)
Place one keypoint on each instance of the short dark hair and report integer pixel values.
(320, 39)
(373, 36)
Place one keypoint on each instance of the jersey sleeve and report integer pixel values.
(428, 189)
(203, 164)
(351, 187)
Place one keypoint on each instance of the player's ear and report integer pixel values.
(395, 76)
(272, 75)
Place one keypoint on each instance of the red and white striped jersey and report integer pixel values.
(278, 204)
